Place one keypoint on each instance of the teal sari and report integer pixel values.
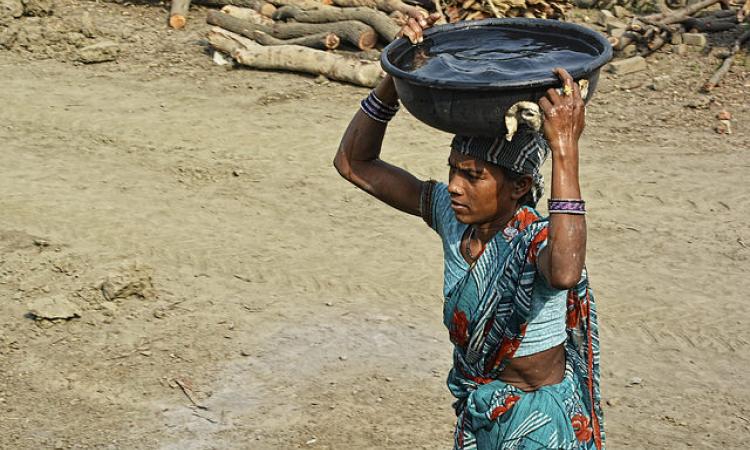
(494, 415)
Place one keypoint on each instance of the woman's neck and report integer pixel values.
(486, 231)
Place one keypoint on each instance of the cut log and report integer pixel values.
(680, 15)
(320, 41)
(367, 55)
(261, 6)
(228, 42)
(378, 20)
(710, 25)
(387, 6)
(356, 33)
(623, 41)
(302, 4)
(253, 4)
(248, 14)
(297, 59)
(178, 13)
(727, 63)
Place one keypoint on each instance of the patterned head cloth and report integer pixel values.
(524, 154)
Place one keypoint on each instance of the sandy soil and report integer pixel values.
(296, 311)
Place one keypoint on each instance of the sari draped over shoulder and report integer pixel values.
(493, 414)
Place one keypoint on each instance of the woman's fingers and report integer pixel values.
(546, 105)
(416, 29)
(569, 86)
(432, 18)
(409, 33)
(553, 95)
(416, 24)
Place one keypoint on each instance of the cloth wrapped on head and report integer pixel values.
(524, 153)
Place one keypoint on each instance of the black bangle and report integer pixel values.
(377, 110)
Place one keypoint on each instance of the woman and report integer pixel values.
(517, 304)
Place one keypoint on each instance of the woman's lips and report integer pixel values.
(459, 207)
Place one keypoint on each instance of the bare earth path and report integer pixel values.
(298, 312)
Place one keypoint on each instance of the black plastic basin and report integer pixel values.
(473, 102)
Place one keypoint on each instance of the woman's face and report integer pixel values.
(480, 192)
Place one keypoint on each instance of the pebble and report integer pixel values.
(658, 84)
(629, 65)
(635, 381)
(621, 12)
(724, 127)
(694, 39)
(99, 52)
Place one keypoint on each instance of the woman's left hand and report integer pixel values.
(564, 113)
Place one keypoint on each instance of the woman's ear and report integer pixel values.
(521, 186)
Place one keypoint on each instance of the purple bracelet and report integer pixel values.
(377, 110)
(559, 206)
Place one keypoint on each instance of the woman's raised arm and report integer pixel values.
(358, 158)
(562, 260)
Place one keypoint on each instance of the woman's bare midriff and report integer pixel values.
(529, 373)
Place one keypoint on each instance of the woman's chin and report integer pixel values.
(463, 218)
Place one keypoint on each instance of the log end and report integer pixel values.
(367, 40)
(332, 41)
(177, 21)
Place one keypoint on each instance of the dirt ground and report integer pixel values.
(234, 292)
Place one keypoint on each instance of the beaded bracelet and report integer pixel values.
(376, 109)
(560, 206)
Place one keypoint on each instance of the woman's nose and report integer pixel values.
(454, 187)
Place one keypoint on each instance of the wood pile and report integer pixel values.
(339, 40)
(342, 39)
(682, 29)
(456, 10)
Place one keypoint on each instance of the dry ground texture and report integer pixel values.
(255, 300)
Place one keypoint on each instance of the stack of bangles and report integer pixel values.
(560, 206)
(377, 109)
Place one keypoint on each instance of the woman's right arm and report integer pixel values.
(358, 158)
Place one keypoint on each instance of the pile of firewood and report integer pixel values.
(456, 10)
(644, 35)
(339, 40)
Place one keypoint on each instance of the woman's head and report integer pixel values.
(492, 177)
(482, 192)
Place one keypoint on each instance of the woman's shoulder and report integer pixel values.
(443, 218)
(525, 217)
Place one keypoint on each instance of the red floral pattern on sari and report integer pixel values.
(506, 350)
(535, 243)
(502, 409)
(581, 427)
(524, 218)
(459, 332)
